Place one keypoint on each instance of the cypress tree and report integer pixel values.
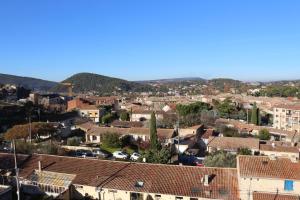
(153, 132)
(254, 114)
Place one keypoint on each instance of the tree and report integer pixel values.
(255, 115)
(226, 108)
(244, 151)
(126, 140)
(37, 129)
(264, 134)
(208, 117)
(161, 156)
(153, 132)
(229, 131)
(192, 108)
(111, 139)
(220, 159)
(107, 118)
(73, 141)
(124, 116)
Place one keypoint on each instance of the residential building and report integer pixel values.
(143, 115)
(243, 127)
(233, 144)
(280, 149)
(265, 174)
(77, 103)
(93, 133)
(53, 102)
(287, 117)
(126, 124)
(103, 179)
(193, 130)
(112, 101)
(85, 109)
(90, 111)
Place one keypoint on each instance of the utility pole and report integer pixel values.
(177, 126)
(247, 116)
(29, 118)
(17, 170)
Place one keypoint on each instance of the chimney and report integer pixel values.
(206, 180)
(40, 166)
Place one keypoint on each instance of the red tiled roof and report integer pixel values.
(97, 130)
(277, 148)
(126, 124)
(269, 196)
(88, 107)
(288, 106)
(233, 143)
(262, 166)
(250, 127)
(158, 179)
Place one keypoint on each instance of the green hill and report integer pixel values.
(27, 82)
(104, 85)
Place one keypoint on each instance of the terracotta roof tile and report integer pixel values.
(263, 166)
(233, 143)
(277, 148)
(269, 196)
(158, 179)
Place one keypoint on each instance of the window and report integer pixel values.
(178, 198)
(193, 199)
(288, 185)
(94, 137)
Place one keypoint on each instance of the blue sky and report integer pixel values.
(149, 39)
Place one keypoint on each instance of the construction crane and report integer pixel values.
(70, 88)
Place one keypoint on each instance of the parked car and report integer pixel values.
(100, 153)
(135, 156)
(120, 155)
(84, 153)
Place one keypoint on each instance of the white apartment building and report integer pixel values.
(287, 117)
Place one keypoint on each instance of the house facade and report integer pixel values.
(232, 144)
(144, 115)
(287, 117)
(265, 174)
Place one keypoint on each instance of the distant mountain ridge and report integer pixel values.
(174, 80)
(27, 82)
(104, 85)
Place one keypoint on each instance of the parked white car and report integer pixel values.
(120, 155)
(135, 156)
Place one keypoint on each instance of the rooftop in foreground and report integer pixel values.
(265, 167)
(156, 178)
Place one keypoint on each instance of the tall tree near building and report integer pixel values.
(255, 115)
(153, 132)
